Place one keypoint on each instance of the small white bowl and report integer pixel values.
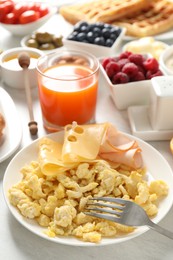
(96, 50)
(128, 94)
(166, 59)
(24, 29)
(14, 76)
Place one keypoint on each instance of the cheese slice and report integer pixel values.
(82, 143)
(50, 157)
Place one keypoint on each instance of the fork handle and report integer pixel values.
(160, 230)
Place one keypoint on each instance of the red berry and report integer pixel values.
(112, 68)
(139, 76)
(125, 55)
(151, 64)
(136, 58)
(122, 62)
(105, 62)
(130, 69)
(119, 78)
(150, 74)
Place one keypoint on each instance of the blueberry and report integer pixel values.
(97, 32)
(99, 41)
(90, 37)
(116, 30)
(106, 33)
(79, 25)
(109, 42)
(72, 36)
(84, 28)
(108, 26)
(99, 25)
(80, 36)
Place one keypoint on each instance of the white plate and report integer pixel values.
(141, 127)
(12, 131)
(158, 168)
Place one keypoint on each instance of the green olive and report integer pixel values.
(32, 43)
(43, 37)
(57, 41)
(47, 46)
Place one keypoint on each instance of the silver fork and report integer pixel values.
(124, 212)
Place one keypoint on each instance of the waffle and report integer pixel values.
(101, 10)
(155, 19)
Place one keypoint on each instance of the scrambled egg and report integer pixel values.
(57, 202)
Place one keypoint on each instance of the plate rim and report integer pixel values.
(8, 114)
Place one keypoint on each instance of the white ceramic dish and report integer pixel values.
(159, 170)
(128, 94)
(166, 54)
(12, 133)
(15, 77)
(24, 29)
(141, 126)
(96, 50)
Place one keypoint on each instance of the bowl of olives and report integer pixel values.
(43, 41)
(97, 38)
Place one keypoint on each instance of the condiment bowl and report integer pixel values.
(11, 72)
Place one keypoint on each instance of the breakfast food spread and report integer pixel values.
(2, 125)
(54, 190)
(140, 18)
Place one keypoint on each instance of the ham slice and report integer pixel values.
(119, 148)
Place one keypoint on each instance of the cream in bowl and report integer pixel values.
(12, 73)
(146, 45)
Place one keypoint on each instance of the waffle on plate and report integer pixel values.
(140, 17)
(104, 10)
(155, 19)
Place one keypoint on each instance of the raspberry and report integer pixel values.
(112, 68)
(106, 61)
(139, 76)
(125, 55)
(119, 78)
(150, 74)
(136, 58)
(151, 64)
(122, 62)
(130, 69)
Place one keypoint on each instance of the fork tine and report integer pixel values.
(110, 199)
(107, 205)
(110, 211)
(103, 216)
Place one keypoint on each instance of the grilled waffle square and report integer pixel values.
(101, 10)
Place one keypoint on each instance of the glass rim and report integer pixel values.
(70, 51)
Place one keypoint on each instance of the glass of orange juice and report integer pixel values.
(68, 86)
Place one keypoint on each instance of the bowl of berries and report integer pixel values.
(97, 38)
(22, 18)
(128, 76)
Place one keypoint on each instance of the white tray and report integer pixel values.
(141, 127)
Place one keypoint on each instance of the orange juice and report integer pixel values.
(68, 93)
